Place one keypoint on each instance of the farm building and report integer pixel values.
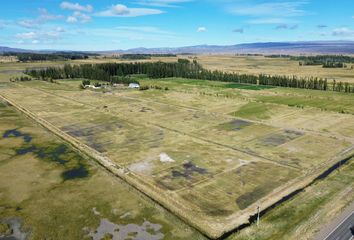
(134, 85)
(92, 86)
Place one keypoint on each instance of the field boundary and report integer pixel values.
(167, 199)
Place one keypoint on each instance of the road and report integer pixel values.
(343, 231)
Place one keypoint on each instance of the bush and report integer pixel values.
(144, 88)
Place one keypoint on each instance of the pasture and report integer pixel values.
(210, 152)
(274, 66)
(48, 190)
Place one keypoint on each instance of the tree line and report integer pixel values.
(327, 61)
(144, 56)
(183, 68)
(58, 56)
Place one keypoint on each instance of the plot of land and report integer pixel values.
(50, 191)
(274, 66)
(224, 159)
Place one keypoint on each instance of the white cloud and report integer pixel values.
(121, 10)
(4, 23)
(162, 3)
(60, 29)
(268, 12)
(71, 19)
(27, 35)
(343, 32)
(143, 29)
(202, 29)
(27, 23)
(82, 17)
(44, 16)
(284, 9)
(78, 17)
(35, 41)
(37, 36)
(76, 7)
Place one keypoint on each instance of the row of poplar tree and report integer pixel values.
(183, 69)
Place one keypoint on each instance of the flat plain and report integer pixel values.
(49, 190)
(274, 66)
(210, 152)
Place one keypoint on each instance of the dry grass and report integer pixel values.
(274, 66)
(32, 189)
(215, 156)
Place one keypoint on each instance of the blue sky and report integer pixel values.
(113, 24)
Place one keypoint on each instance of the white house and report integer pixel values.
(134, 85)
(92, 86)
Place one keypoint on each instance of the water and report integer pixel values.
(146, 231)
(57, 153)
(15, 133)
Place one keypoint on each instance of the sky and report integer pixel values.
(94, 25)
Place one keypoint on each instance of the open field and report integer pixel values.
(229, 63)
(11, 68)
(303, 216)
(210, 152)
(48, 190)
(273, 66)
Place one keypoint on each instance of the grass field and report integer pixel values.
(229, 63)
(208, 151)
(50, 191)
(303, 216)
(273, 66)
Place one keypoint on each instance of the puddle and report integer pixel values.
(57, 153)
(16, 134)
(280, 138)
(235, 125)
(146, 231)
(14, 230)
(188, 170)
(54, 155)
(90, 133)
(74, 173)
(165, 158)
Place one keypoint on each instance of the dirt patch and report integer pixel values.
(280, 138)
(90, 134)
(141, 167)
(13, 230)
(188, 170)
(235, 125)
(164, 158)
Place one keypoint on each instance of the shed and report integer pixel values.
(134, 85)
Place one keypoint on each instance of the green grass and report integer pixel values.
(188, 123)
(247, 86)
(253, 110)
(307, 211)
(51, 207)
(340, 104)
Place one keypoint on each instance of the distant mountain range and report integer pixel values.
(313, 47)
(16, 50)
